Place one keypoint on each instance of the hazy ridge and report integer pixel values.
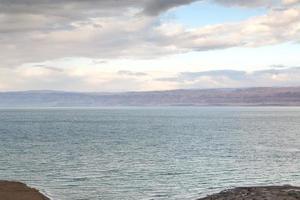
(285, 96)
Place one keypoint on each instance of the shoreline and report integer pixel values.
(285, 192)
(13, 190)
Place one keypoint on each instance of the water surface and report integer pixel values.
(149, 153)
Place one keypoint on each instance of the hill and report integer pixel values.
(287, 96)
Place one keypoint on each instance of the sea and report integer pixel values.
(144, 153)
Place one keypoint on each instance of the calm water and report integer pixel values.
(149, 153)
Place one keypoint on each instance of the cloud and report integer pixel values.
(290, 2)
(258, 3)
(77, 9)
(130, 73)
(232, 74)
(156, 7)
(278, 26)
(247, 3)
(95, 79)
(237, 79)
(39, 16)
(81, 78)
(38, 78)
(41, 30)
(278, 66)
(145, 37)
(56, 69)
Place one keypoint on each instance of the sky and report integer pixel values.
(145, 45)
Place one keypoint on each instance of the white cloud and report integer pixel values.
(237, 79)
(278, 26)
(95, 79)
(146, 37)
(44, 30)
(290, 2)
(248, 3)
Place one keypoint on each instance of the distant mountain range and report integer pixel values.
(285, 96)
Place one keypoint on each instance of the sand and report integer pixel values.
(10, 190)
(258, 193)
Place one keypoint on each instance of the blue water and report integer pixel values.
(149, 153)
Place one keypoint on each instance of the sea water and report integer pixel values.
(149, 153)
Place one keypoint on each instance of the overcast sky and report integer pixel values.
(139, 45)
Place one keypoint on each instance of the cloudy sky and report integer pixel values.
(141, 45)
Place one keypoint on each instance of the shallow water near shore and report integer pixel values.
(149, 153)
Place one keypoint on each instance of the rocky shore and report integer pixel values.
(286, 192)
(10, 190)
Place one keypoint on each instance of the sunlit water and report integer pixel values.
(149, 153)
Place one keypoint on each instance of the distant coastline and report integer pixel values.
(262, 96)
